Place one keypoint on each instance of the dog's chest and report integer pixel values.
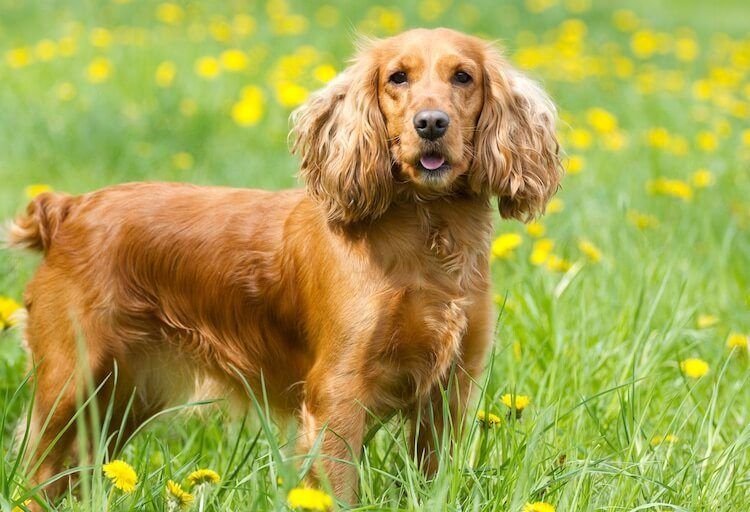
(416, 342)
(434, 275)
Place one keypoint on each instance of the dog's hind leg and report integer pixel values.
(56, 377)
(72, 376)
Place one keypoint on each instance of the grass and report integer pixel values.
(597, 345)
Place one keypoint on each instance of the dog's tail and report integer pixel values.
(36, 228)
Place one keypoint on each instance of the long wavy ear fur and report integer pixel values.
(517, 153)
(341, 136)
(38, 226)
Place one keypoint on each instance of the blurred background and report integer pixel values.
(99, 92)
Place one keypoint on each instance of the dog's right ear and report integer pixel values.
(341, 137)
(517, 152)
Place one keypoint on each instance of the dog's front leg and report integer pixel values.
(332, 416)
(444, 411)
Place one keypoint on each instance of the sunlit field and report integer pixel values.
(620, 373)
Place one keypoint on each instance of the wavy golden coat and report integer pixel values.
(359, 293)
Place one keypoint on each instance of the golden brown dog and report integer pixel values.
(358, 293)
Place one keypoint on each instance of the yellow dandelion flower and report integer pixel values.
(707, 141)
(177, 497)
(668, 439)
(673, 188)
(169, 13)
(45, 50)
(26, 504)
(694, 368)
(535, 229)
(575, 164)
(702, 89)
(249, 109)
(538, 506)
(19, 57)
(121, 474)
(324, 73)
(8, 310)
(519, 402)
(207, 67)
(644, 43)
(642, 220)
(390, 20)
(182, 161)
(34, 190)
(220, 30)
(557, 264)
(623, 67)
(572, 30)
(309, 499)
(740, 109)
(234, 60)
(165, 73)
(658, 137)
(99, 70)
(746, 138)
(290, 94)
(65, 91)
(203, 476)
(555, 206)
(705, 321)
(517, 350)
(503, 245)
(738, 340)
(601, 120)
(702, 178)
(488, 419)
(686, 49)
(541, 250)
(580, 138)
(591, 251)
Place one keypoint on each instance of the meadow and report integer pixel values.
(620, 377)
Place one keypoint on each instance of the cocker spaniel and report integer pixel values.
(358, 294)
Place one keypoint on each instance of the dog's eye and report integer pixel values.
(399, 77)
(462, 77)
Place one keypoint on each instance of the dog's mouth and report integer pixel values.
(433, 162)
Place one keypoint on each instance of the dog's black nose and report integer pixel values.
(431, 124)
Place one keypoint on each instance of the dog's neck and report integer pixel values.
(450, 236)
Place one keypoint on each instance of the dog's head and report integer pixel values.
(433, 110)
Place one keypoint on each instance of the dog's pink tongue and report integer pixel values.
(431, 162)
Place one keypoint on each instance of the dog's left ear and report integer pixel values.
(516, 149)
